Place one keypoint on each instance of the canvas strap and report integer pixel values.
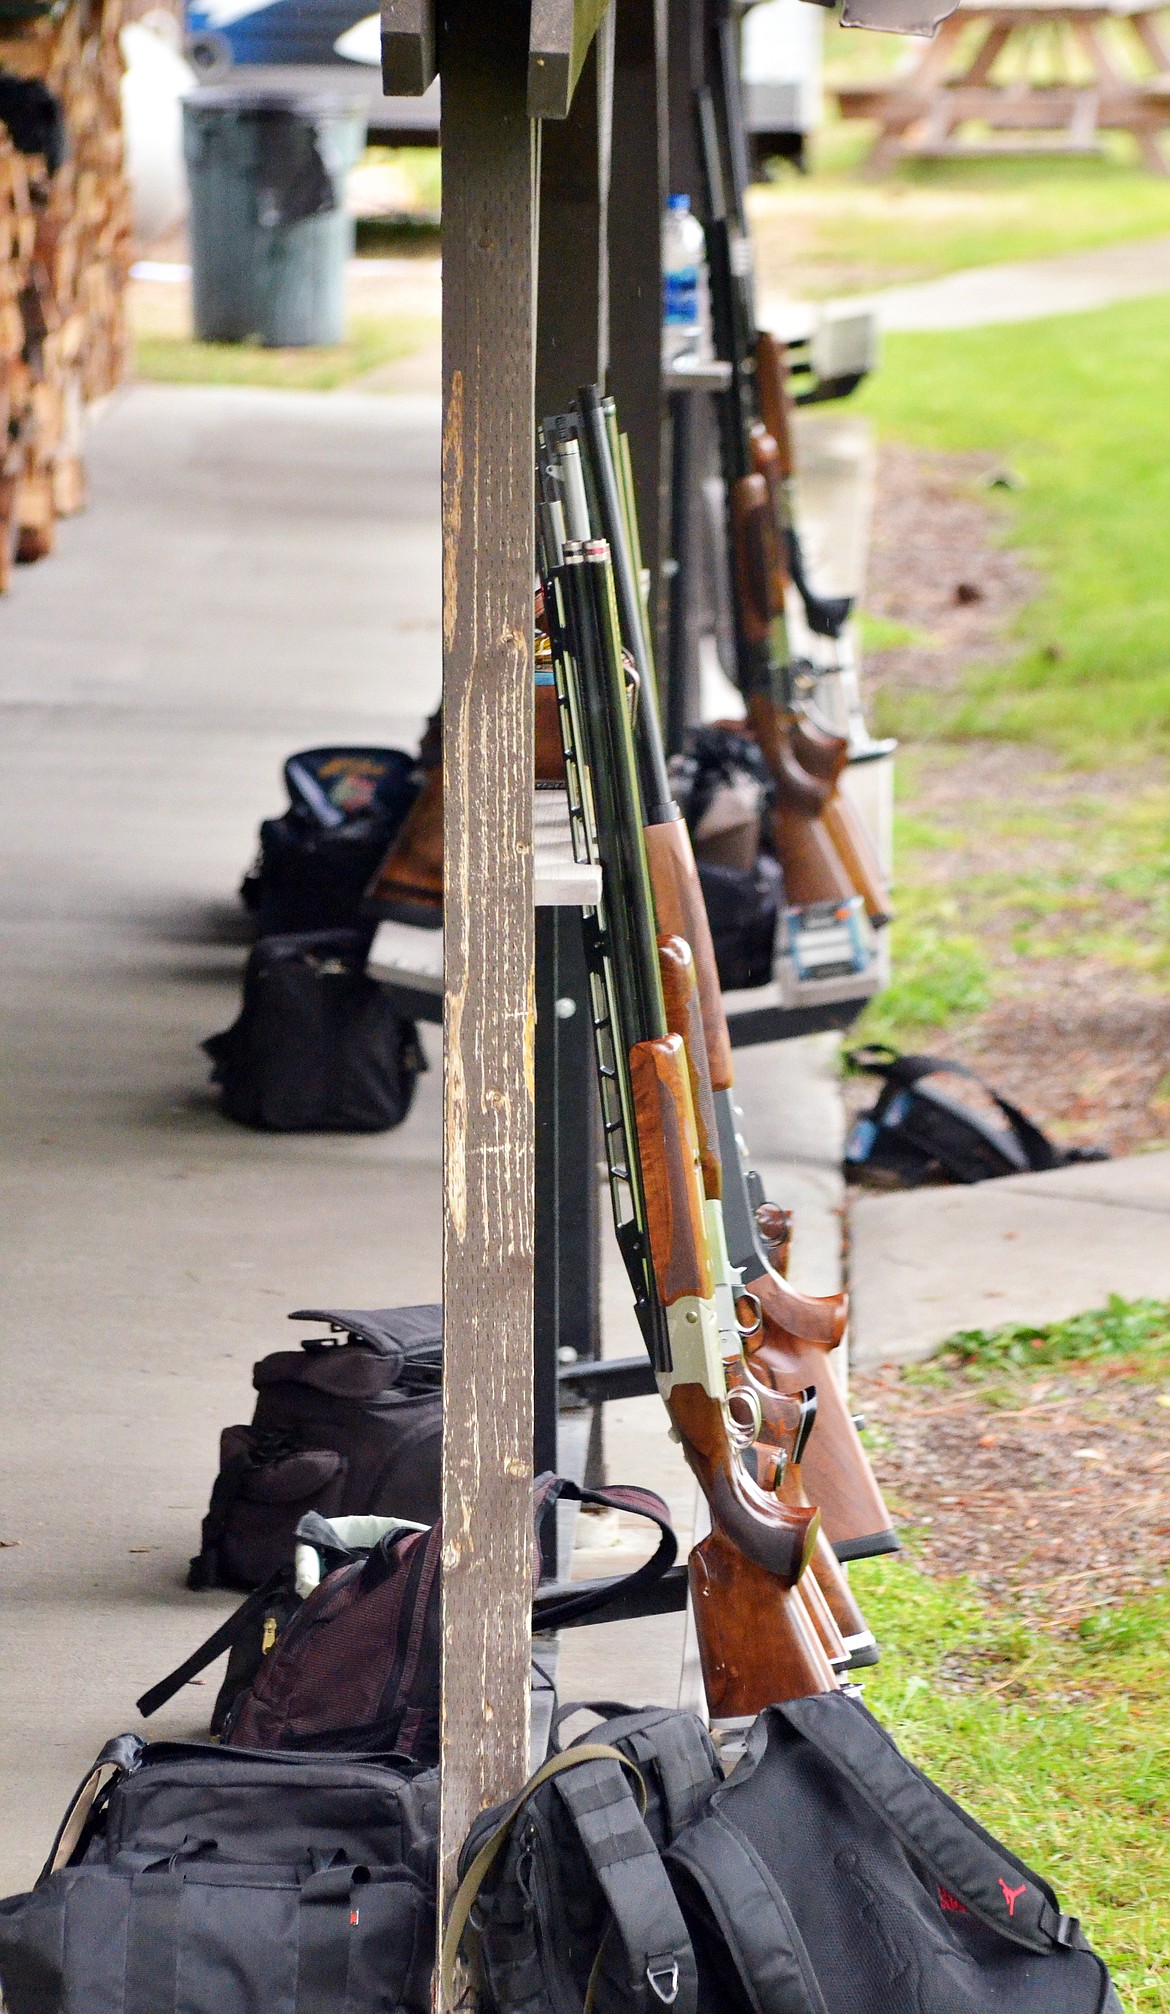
(612, 1832)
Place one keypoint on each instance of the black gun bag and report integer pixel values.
(318, 1046)
(202, 1880)
(350, 1423)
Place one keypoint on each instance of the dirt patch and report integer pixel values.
(1060, 876)
(1058, 1498)
(935, 566)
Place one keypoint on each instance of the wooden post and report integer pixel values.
(489, 233)
(572, 342)
(635, 260)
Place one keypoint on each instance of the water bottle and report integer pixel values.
(686, 312)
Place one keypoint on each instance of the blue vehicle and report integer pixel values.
(223, 33)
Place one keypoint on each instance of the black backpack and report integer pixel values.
(827, 1875)
(743, 907)
(350, 1422)
(916, 1134)
(207, 1879)
(345, 806)
(317, 1047)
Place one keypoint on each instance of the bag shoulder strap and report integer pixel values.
(905, 1072)
(612, 1832)
(221, 1639)
(735, 1887)
(119, 1756)
(996, 1887)
(676, 1743)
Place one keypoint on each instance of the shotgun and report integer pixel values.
(758, 1642)
(826, 615)
(796, 1330)
(824, 849)
(813, 870)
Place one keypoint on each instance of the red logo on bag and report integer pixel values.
(951, 1902)
(1012, 1895)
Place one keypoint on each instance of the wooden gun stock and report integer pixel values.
(756, 557)
(825, 755)
(682, 912)
(779, 1468)
(798, 1329)
(757, 1641)
(775, 399)
(684, 1018)
(766, 463)
(836, 1468)
(409, 882)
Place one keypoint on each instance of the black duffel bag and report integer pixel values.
(218, 1880)
(827, 1875)
(350, 1423)
(318, 1046)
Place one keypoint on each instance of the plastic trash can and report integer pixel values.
(269, 232)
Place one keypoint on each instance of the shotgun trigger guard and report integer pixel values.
(744, 1431)
(745, 1300)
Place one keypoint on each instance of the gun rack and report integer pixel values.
(538, 97)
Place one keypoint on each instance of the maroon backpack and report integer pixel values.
(355, 1666)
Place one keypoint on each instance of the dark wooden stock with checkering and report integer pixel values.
(757, 1641)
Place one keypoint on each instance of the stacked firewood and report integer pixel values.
(65, 250)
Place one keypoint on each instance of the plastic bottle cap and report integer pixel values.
(678, 202)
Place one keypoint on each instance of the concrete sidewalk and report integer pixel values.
(258, 571)
(1022, 291)
(1031, 1248)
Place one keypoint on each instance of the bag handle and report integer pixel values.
(643, 1906)
(118, 1757)
(564, 1603)
(994, 1886)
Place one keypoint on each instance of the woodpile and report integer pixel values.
(65, 251)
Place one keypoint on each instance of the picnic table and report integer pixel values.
(923, 110)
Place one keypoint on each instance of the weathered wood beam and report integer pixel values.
(638, 199)
(489, 244)
(560, 35)
(408, 47)
(572, 335)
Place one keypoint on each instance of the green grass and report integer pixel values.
(1131, 1329)
(171, 359)
(1085, 878)
(938, 973)
(839, 231)
(1058, 1743)
(1058, 1746)
(1078, 405)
